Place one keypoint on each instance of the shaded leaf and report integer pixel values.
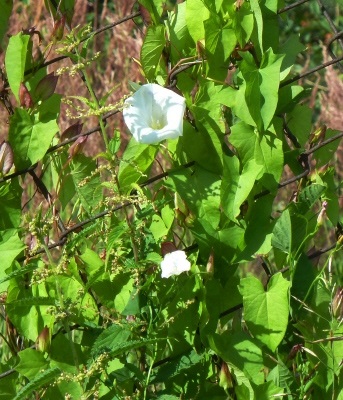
(266, 312)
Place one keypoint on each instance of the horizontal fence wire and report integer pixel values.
(337, 36)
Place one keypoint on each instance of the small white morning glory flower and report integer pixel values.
(174, 263)
(154, 113)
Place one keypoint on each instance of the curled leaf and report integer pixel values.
(71, 131)
(46, 86)
(25, 97)
(210, 263)
(44, 340)
(145, 15)
(6, 157)
(167, 247)
(58, 31)
(77, 146)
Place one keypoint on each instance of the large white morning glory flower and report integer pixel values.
(154, 113)
(174, 263)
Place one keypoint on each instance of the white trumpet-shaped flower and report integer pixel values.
(174, 264)
(154, 113)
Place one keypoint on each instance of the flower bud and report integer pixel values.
(322, 213)
(189, 221)
(6, 157)
(210, 263)
(46, 86)
(58, 31)
(183, 215)
(71, 131)
(337, 304)
(145, 15)
(167, 247)
(294, 351)
(225, 377)
(25, 97)
(44, 340)
(77, 146)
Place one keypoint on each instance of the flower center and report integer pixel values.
(158, 119)
(157, 124)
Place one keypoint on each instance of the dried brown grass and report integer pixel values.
(332, 99)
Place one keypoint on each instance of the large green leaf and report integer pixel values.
(85, 308)
(266, 312)
(291, 48)
(207, 140)
(27, 307)
(240, 351)
(181, 42)
(183, 312)
(63, 353)
(198, 144)
(289, 232)
(265, 150)
(38, 382)
(219, 40)
(31, 363)
(110, 338)
(243, 22)
(15, 61)
(200, 189)
(87, 184)
(268, 390)
(179, 366)
(223, 242)
(30, 135)
(154, 8)
(152, 48)
(10, 247)
(262, 86)
(135, 163)
(196, 14)
(327, 152)
(259, 229)
(257, 12)
(299, 122)
(236, 186)
(308, 196)
(10, 204)
(267, 28)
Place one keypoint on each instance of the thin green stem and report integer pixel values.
(149, 373)
(97, 106)
(63, 308)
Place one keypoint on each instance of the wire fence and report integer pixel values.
(304, 158)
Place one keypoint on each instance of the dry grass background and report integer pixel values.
(115, 67)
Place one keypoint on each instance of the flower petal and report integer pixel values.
(153, 106)
(174, 264)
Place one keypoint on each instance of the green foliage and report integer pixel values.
(249, 191)
(6, 9)
(16, 60)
